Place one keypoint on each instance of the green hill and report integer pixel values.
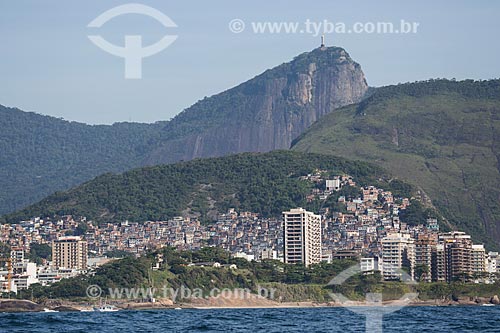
(41, 154)
(266, 183)
(441, 136)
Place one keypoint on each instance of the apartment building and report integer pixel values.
(69, 252)
(478, 260)
(425, 249)
(457, 255)
(302, 237)
(439, 267)
(398, 252)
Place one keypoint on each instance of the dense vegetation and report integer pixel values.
(4, 250)
(441, 136)
(262, 183)
(291, 282)
(417, 213)
(125, 273)
(39, 252)
(40, 154)
(132, 272)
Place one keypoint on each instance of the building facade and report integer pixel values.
(70, 253)
(425, 249)
(457, 256)
(302, 237)
(398, 253)
(478, 261)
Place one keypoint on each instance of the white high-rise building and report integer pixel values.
(302, 237)
(478, 260)
(398, 251)
(493, 262)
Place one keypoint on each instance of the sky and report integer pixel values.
(48, 64)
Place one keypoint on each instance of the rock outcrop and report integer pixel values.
(263, 114)
(14, 305)
(266, 112)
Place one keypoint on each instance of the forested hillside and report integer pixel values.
(441, 136)
(40, 154)
(265, 183)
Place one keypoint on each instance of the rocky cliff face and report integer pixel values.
(266, 112)
(262, 114)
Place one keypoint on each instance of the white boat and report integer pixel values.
(487, 304)
(106, 308)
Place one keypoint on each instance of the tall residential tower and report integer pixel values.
(69, 252)
(302, 237)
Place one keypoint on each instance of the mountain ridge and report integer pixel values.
(266, 112)
(439, 135)
(42, 154)
(264, 183)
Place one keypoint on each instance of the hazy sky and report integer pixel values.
(48, 65)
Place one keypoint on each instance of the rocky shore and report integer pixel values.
(19, 306)
(11, 305)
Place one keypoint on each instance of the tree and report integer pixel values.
(294, 273)
(421, 272)
(4, 250)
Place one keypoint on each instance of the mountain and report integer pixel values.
(266, 183)
(266, 112)
(41, 155)
(441, 136)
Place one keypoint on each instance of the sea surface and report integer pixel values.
(409, 319)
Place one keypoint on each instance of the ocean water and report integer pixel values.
(410, 319)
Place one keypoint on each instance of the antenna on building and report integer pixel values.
(322, 40)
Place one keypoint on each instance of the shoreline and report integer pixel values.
(15, 306)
